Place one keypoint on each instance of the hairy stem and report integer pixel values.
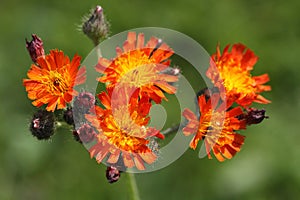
(134, 188)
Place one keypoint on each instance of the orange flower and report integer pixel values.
(140, 66)
(216, 127)
(122, 132)
(51, 81)
(231, 71)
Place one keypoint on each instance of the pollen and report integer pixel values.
(238, 80)
(57, 83)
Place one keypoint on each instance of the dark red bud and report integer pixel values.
(83, 103)
(112, 174)
(255, 116)
(85, 134)
(35, 47)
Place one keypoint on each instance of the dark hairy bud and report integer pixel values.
(112, 174)
(42, 124)
(95, 26)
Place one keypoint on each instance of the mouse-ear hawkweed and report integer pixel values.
(51, 81)
(122, 130)
(217, 126)
(140, 65)
(231, 70)
(116, 123)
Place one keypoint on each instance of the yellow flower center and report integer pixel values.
(57, 83)
(136, 69)
(214, 126)
(123, 132)
(237, 80)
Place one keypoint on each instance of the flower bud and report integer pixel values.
(35, 47)
(95, 26)
(254, 116)
(112, 174)
(83, 103)
(85, 134)
(42, 124)
(68, 116)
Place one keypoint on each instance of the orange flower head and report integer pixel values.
(230, 71)
(140, 66)
(216, 127)
(52, 78)
(123, 135)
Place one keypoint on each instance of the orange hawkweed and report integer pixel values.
(230, 71)
(216, 126)
(123, 135)
(140, 66)
(52, 78)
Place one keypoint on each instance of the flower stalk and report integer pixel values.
(133, 185)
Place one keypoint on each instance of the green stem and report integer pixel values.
(134, 188)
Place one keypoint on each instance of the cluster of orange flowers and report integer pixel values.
(133, 79)
(117, 128)
(228, 110)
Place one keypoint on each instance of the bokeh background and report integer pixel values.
(266, 168)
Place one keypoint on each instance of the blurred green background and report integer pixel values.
(266, 168)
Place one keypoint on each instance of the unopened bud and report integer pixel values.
(68, 116)
(95, 25)
(83, 103)
(85, 134)
(35, 47)
(255, 116)
(42, 124)
(112, 174)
